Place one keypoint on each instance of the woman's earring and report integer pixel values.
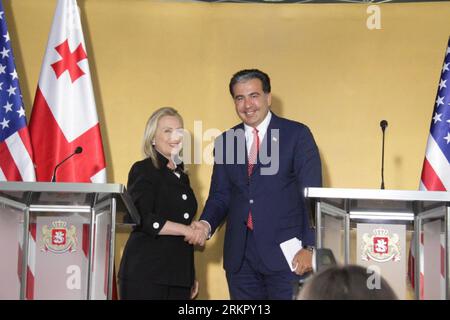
(153, 142)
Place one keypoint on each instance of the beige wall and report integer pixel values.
(328, 70)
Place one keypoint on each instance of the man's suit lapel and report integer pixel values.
(242, 166)
(266, 145)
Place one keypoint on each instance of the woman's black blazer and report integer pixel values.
(159, 195)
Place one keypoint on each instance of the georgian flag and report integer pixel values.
(64, 117)
(64, 114)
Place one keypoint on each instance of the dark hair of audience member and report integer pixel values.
(348, 282)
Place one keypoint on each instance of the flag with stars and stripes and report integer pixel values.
(16, 155)
(436, 165)
(64, 114)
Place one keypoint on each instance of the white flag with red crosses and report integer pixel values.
(64, 119)
(64, 115)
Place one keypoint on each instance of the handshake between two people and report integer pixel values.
(197, 233)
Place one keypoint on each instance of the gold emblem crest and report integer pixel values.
(57, 238)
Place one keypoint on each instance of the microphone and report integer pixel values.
(77, 151)
(383, 125)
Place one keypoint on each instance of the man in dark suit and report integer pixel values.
(261, 168)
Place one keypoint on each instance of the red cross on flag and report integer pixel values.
(64, 115)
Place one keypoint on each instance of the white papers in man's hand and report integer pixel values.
(290, 248)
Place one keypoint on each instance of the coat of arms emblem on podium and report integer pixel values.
(380, 247)
(58, 238)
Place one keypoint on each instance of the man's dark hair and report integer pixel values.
(249, 74)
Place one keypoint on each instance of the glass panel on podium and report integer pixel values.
(11, 237)
(333, 231)
(432, 253)
(101, 268)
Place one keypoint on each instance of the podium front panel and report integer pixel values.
(59, 254)
(381, 248)
(66, 245)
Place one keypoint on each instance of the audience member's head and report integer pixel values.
(348, 282)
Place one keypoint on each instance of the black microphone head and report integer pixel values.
(383, 124)
(78, 150)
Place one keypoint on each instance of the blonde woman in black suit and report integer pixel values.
(158, 260)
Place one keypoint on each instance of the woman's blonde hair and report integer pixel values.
(150, 132)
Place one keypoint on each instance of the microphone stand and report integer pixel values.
(383, 125)
(382, 164)
(77, 151)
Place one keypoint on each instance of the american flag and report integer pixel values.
(436, 165)
(15, 148)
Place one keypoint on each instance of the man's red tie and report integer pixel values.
(253, 155)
